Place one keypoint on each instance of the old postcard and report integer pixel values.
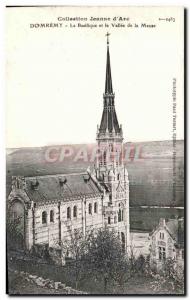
(95, 150)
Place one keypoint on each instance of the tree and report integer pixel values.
(14, 232)
(132, 258)
(175, 274)
(170, 278)
(75, 247)
(140, 264)
(105, 258)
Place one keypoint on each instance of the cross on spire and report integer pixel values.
(107, 35)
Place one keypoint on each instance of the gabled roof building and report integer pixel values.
(167, 242)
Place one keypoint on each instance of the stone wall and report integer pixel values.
(60, 287)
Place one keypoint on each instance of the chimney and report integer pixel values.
(34, 184)
(86, 177)
(62, 180)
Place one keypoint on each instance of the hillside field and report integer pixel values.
(150, 166)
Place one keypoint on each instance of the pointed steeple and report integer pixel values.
(108, 84)
(109, 122)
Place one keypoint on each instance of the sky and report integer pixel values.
(55, 76)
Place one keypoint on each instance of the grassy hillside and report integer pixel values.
(149, 164)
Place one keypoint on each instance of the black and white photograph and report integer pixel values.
(95, 150)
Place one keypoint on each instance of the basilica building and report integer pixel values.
(49, 208)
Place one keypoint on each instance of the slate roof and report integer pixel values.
(172, 225)
(109, 120)
(60, 187)
(176, 229)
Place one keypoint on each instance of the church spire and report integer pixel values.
(109, 122)
(108, 84)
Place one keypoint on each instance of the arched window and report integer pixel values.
(115, 219)
(90, 208)
(122, 215)
(119, 215)
(111, 147)
(123, 241)
(109, 220)
(51, 216)
(75, 211)
(104, 156)
(68, 212)
(95, 207)
(99, 156)
(44, 217)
